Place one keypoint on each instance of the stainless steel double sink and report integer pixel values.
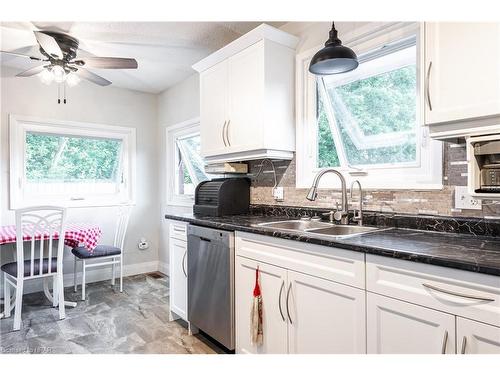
(319, 228)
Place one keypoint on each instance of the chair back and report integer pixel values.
(39, 225)
(121, 226)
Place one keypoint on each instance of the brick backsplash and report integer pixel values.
(432, 202)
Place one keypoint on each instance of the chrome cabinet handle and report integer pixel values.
(223, 133)
(464, 343)
(470, 296)
(445, 341)
(279, 300)
(428, 90)
(183, 261)
(227, 133)
(287, 308)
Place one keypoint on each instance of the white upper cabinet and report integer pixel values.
(462, 72)
(214, 106)
(247, 98)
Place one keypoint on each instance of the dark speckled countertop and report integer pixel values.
(462, 251)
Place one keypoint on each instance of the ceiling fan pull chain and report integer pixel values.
(58, 93)
(64, 87)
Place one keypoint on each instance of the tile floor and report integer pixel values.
(135, 321)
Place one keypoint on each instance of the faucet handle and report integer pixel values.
(330, 214)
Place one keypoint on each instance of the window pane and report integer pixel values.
(53, 158)
(191, 165)
(374, 109)
(327, 153)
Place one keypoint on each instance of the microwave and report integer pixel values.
(483, 156)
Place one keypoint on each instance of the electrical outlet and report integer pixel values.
(278, 194)
(463, 200)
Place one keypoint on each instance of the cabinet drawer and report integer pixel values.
(343, 266)
(178, 230)
(468, 294)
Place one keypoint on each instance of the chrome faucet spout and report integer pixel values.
(313, 192)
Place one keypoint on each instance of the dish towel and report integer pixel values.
(256, 318)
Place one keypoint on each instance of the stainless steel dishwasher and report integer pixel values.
(210, 272)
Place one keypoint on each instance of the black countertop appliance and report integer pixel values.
(222, 196)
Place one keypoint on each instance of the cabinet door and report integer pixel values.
(326, 317)
(178, 277)
(477, 338)
(459, 84)
(246, 99)
(213, 109)
(396, 327)
(272, 283)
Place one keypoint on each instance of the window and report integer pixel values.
(367, 122)
(72, 164)
(186, 168)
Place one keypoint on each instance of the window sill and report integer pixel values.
(181, 202)
(85, 203)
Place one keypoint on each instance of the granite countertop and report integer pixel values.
(462, 251)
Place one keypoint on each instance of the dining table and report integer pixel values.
(76, 234)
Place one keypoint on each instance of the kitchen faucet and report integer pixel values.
(313, 193)
(358, 217)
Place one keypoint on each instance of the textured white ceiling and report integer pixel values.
(164, 51)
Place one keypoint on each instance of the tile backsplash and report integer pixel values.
(429, 202)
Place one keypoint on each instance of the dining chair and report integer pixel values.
(36, 261)
(104, 255)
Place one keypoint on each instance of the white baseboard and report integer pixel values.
(94, 275)
(163, 268)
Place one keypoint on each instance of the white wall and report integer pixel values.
(101, 105)
(175, 105)
(315, 34)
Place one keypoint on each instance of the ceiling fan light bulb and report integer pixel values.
(72, 79)
(59, 74)
(46, 77)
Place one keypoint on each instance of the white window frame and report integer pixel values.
(426, 174)
(182, 130)
(20, 125)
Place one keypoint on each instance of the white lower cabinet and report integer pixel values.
(178, 271)
(326, 317)
(396, 327)
(272, 284)
(316, 300)
(477, 338)
(301, 313)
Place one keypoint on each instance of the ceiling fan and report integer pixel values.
(62, 65)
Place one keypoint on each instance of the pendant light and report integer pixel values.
(334, 58)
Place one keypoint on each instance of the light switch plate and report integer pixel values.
(463, 200)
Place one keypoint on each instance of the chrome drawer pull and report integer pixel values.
(428, 91)
(183, 261)
(279, 300)
(486, 299)
(227, 133)
(224, 133)
(445, 340)
(464, 343)
(287, 308)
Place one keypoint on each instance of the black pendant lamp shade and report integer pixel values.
(334, 58)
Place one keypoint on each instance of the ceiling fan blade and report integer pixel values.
(92, 77)
(31, 72)
(49, 44)
(21, 55)
(107, 62)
